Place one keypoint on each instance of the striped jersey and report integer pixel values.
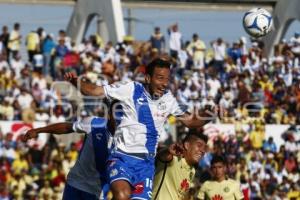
(142, 118)
(88, 173)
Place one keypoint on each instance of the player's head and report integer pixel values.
(157, 30)
(158, 76)
(17, 26)
(218, 167)
(195, 37)
(194, 145)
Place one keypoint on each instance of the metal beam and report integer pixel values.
(167, 4)
(49, 2)
(190, 5)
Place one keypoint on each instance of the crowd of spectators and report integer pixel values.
(250, 87)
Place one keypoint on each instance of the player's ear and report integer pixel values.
(147, 78)
(186, 145)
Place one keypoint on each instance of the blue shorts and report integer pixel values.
(137, 171)
(72, 193)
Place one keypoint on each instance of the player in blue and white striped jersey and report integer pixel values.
(87, 179)
(145, 107)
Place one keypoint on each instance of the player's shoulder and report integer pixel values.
(93, 121)
(207, 184)
(176, 161)
(168, 95)
(98, 123)
(98, 120)
(123, 83)
(230, 181)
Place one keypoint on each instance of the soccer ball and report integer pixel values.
(257, 22)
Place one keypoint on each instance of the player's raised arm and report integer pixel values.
(80, 126)
(166, 154)
(85, 87)
(58, 128)
(193, 119)
(196, 120)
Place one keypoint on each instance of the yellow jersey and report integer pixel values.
(228, 189)
(257, 138)
(178, 179)
(14, 42)
(32, 41)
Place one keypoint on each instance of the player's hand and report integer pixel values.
(29, 135)
(210, 113)
(71, 77)
(175, 149)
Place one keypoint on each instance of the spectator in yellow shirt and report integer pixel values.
(32, 44)
(257, 137)
(20, 164)
(73, 152)
(221, 187)
(196, 49)
(175, 170)
(14, 43)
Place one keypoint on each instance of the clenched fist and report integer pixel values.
(175, 149)
(71, 77)
(29, 135)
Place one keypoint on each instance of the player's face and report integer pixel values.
(195, 151)
(218, 170)
(108, 68)
(159, 81)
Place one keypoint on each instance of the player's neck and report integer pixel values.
(147, 88)
(220, 179)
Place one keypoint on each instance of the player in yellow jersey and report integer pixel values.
(175, 171)
(221, 187)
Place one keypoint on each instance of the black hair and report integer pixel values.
(218, 159)
(157, 62)
(195, 133)
(17, 25)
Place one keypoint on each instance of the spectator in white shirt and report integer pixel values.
(226, 100)
(40, 80)
(175, 40)
(219, 49)
(17, 65)
(208, 101)
(1, 45)
(3, 62)
(183, 58)
(41, 115)
(57, 116)
(24, 99)
(214, 85)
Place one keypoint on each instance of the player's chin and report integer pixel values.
(198, 157)
(158, 94)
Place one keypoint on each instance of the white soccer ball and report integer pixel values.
(257, 22)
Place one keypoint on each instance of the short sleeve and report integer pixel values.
(83, 126)
(119, 91)
(203, 46)
(201, 193)
(238, 194)
(178, 109)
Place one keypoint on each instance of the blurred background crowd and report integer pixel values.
(250, 87)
